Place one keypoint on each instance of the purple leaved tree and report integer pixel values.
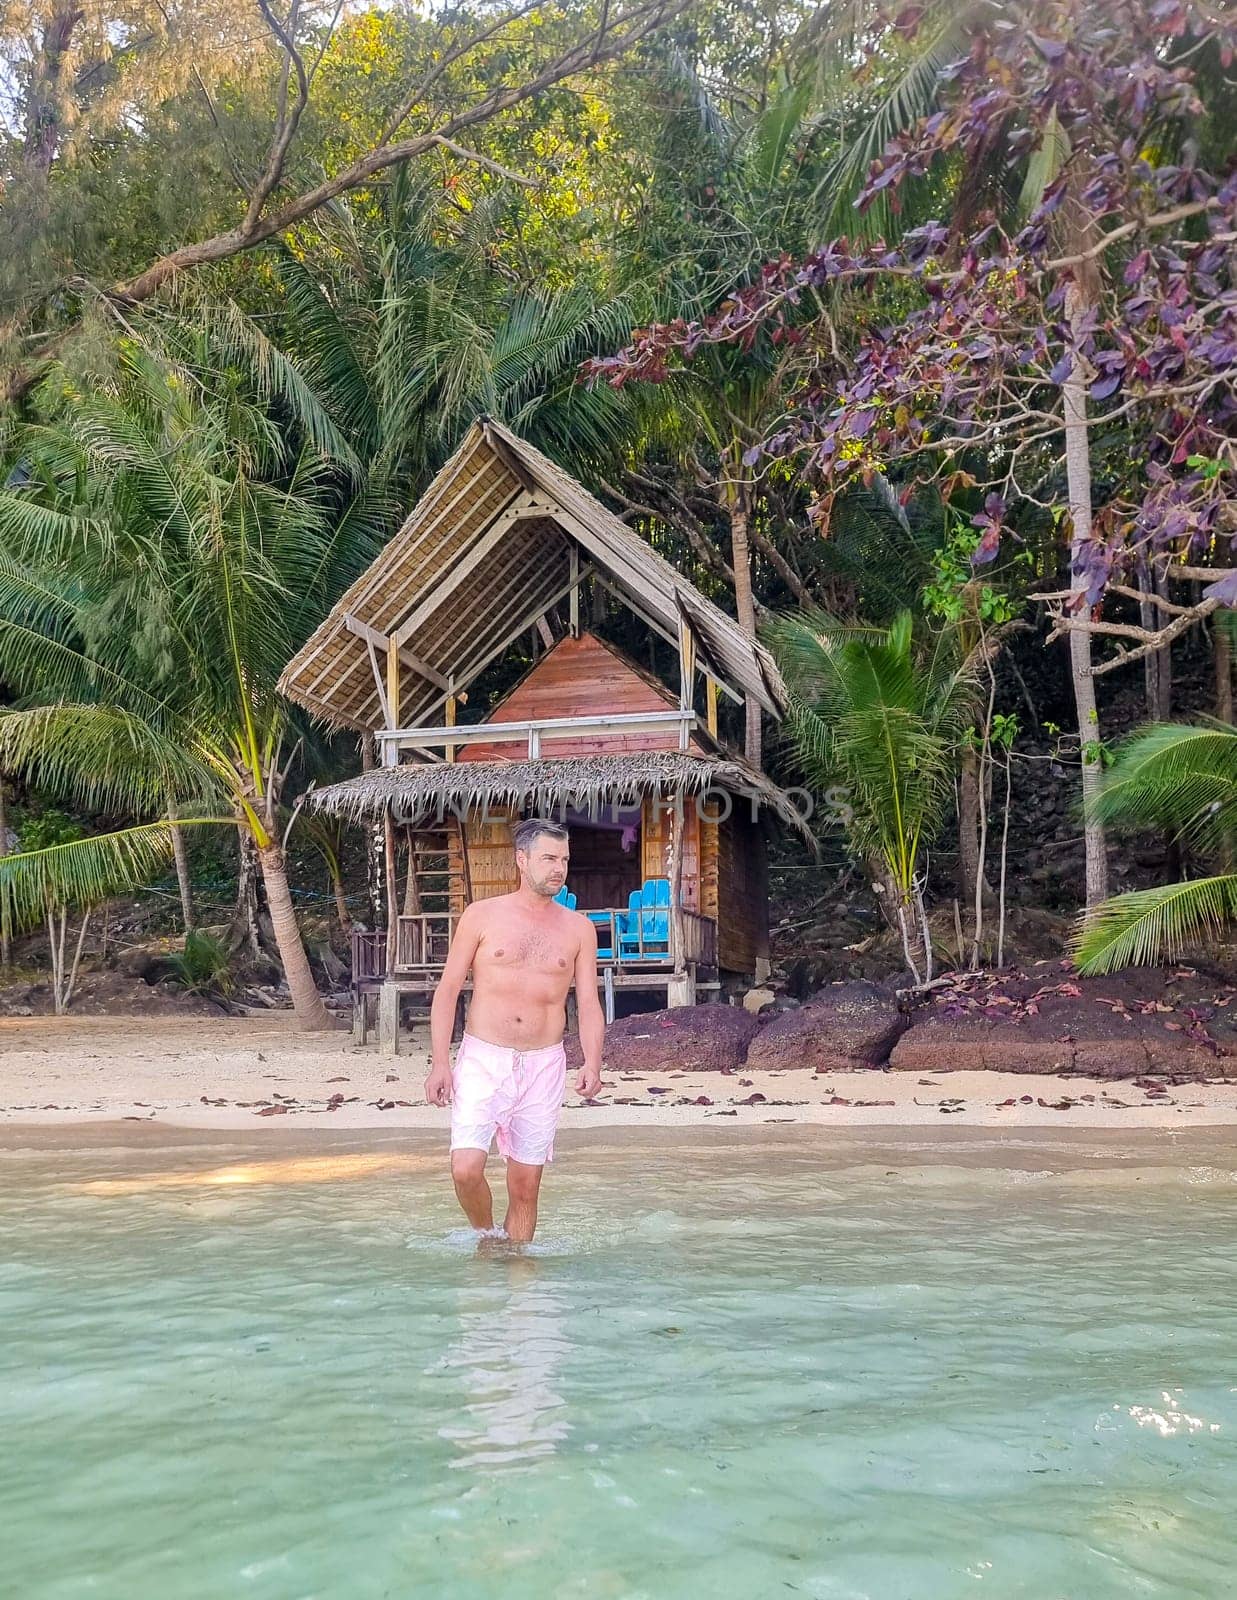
(1082, 363)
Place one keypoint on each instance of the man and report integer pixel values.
(525, 951)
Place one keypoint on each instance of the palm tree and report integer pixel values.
(163, 550)
(883, 718)
(1182, 779)
(411, 328)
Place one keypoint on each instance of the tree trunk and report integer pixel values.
(341, 900)
(181, 857)
(6, 935)
(739, 505)
(1151, 662)
(1224, 666)
(1078, 478)
(49, 88)
(1164, 658)
(244, 932)
(968, 830)
(306, 1001)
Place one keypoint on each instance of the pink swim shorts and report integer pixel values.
(516, 1093)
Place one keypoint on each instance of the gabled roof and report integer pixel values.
(486, 551)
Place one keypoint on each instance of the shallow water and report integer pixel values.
(723, 1373)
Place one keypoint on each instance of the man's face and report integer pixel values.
(543, 866)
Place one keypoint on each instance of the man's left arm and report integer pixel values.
(588, 1009)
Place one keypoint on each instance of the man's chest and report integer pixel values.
(522, 948)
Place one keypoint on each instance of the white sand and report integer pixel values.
(208, 1073)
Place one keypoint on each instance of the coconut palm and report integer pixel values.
(881, 717)
(411, 328)
(1181, 779)
(163, 551)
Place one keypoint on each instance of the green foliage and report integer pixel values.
(955, 592)
(164, 550)
(1181, 779)
(79, 871)
(204, 966)
(47, 828)
(1153, 925)
(883, 715)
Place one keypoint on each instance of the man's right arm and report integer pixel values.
(442, 1009)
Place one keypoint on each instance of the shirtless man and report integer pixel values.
(510, 1070)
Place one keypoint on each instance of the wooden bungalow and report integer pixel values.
(667, 826)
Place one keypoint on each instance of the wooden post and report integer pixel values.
(450, 712)
(677, 822)
(687, 677)
(393, 686)
(574, 600)
(710, 706)
(388, 839)
(388, 1018)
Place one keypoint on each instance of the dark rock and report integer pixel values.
(685, 1039)
(1125, 1026)
(846, 1026)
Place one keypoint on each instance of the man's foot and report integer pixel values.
(493, 1242)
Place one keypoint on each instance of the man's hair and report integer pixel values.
(525, 834)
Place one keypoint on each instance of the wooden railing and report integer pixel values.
(422, 940)
(677, 725)
(369, 957)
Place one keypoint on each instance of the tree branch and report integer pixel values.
(622, 31)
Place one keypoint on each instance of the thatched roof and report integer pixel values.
(486, 551)
(419, 791)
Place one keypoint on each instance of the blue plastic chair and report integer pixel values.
(647, 920)
(564, 897)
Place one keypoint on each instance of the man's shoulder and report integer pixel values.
(485, 910)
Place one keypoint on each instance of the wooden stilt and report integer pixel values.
(388, 1018)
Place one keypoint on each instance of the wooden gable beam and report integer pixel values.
(380, 641)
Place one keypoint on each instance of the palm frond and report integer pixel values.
(1151, 925)
(100, 756)
(910, 98)
(329, 353)
(276, 378)
(85, 871)
(1176, 776)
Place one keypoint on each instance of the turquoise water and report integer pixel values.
(889, 1373)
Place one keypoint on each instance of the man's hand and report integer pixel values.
(588, 1081)
(438, 1086)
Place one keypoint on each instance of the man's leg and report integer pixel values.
(471, 1189)
(523, 1183)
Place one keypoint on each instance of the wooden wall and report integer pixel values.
(581, 678)
(742, 892)
(491, 856)
(655, 847)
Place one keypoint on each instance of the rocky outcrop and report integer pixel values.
(845, 1026)
(685, 1039)
(1166, 1024)
(1169, 1025)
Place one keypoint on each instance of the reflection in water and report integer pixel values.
(289, 1169)
(508, 1358)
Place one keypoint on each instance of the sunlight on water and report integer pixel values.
(718, 1375)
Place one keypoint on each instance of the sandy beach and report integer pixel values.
(260, 1074)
